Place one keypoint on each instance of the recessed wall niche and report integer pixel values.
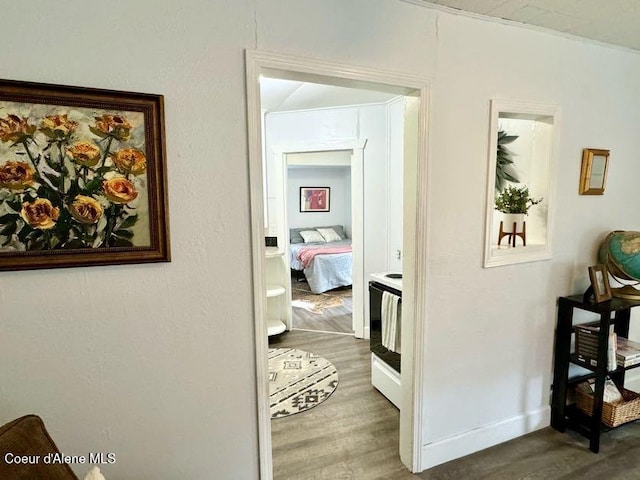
(522, 148)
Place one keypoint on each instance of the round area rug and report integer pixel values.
(298, 381)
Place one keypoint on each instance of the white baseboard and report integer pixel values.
(457, 446)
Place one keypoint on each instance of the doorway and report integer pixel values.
(283, 205)
(330, 307)
(414, 230)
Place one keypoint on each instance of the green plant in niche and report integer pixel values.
(505, 171)
(515, 200)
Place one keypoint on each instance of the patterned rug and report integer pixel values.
(303, 297)
(298, 381)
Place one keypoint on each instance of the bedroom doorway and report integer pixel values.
(322, 301)
(414, 215)
(336, 286)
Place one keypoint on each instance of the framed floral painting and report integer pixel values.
(82, 177)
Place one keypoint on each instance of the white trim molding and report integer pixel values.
(456, 446)
(357, 211)
(547, 119)
(318, 71)
(254, 133)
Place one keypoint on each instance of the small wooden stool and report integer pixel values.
(513, 234)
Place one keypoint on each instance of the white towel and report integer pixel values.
(391, 321)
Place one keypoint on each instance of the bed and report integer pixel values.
(325, 261)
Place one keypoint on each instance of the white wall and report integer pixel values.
(324, 126)
(338, 179)
(152, 362)
(503, 318)
(156, 362)
(395, 172)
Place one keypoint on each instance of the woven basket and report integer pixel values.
(613, 414)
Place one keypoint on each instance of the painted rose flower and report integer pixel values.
(84, 153)
(115, 126)
(57, 127)
(119, 190)
(15, 129)
(86, 209)
(16, 175)
(130, 161)
(71, 177)
(40, 214)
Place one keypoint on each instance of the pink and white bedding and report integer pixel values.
(326, 265)
(307, 254)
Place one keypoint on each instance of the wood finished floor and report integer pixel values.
(550, 455)
(353, 435)
(334, 319)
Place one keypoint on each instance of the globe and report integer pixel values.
(620, 253)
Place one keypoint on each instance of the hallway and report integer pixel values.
(351, 435)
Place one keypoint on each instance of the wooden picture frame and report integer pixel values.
(82, 177)
(600, 283)
(315, 199)
(593, 172)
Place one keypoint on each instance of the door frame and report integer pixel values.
(414, 290)
(356, 146)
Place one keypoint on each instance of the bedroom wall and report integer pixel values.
(322, 126)
(164, 376)
(336, 178)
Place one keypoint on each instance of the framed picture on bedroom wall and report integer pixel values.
(314, 199)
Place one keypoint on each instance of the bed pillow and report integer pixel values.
(339, 229)
(329, 234)
(294, 235)
(311, 236)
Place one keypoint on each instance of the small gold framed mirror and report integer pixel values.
(593, 174)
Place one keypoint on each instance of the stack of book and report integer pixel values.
(626, 352)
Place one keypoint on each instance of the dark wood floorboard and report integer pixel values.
(351, 435)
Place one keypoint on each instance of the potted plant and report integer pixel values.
(505, 169)
(514, 203)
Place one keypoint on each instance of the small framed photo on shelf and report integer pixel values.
(314, 199)
(599, 283)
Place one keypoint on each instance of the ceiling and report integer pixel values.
(614, 22)
(279, 95)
